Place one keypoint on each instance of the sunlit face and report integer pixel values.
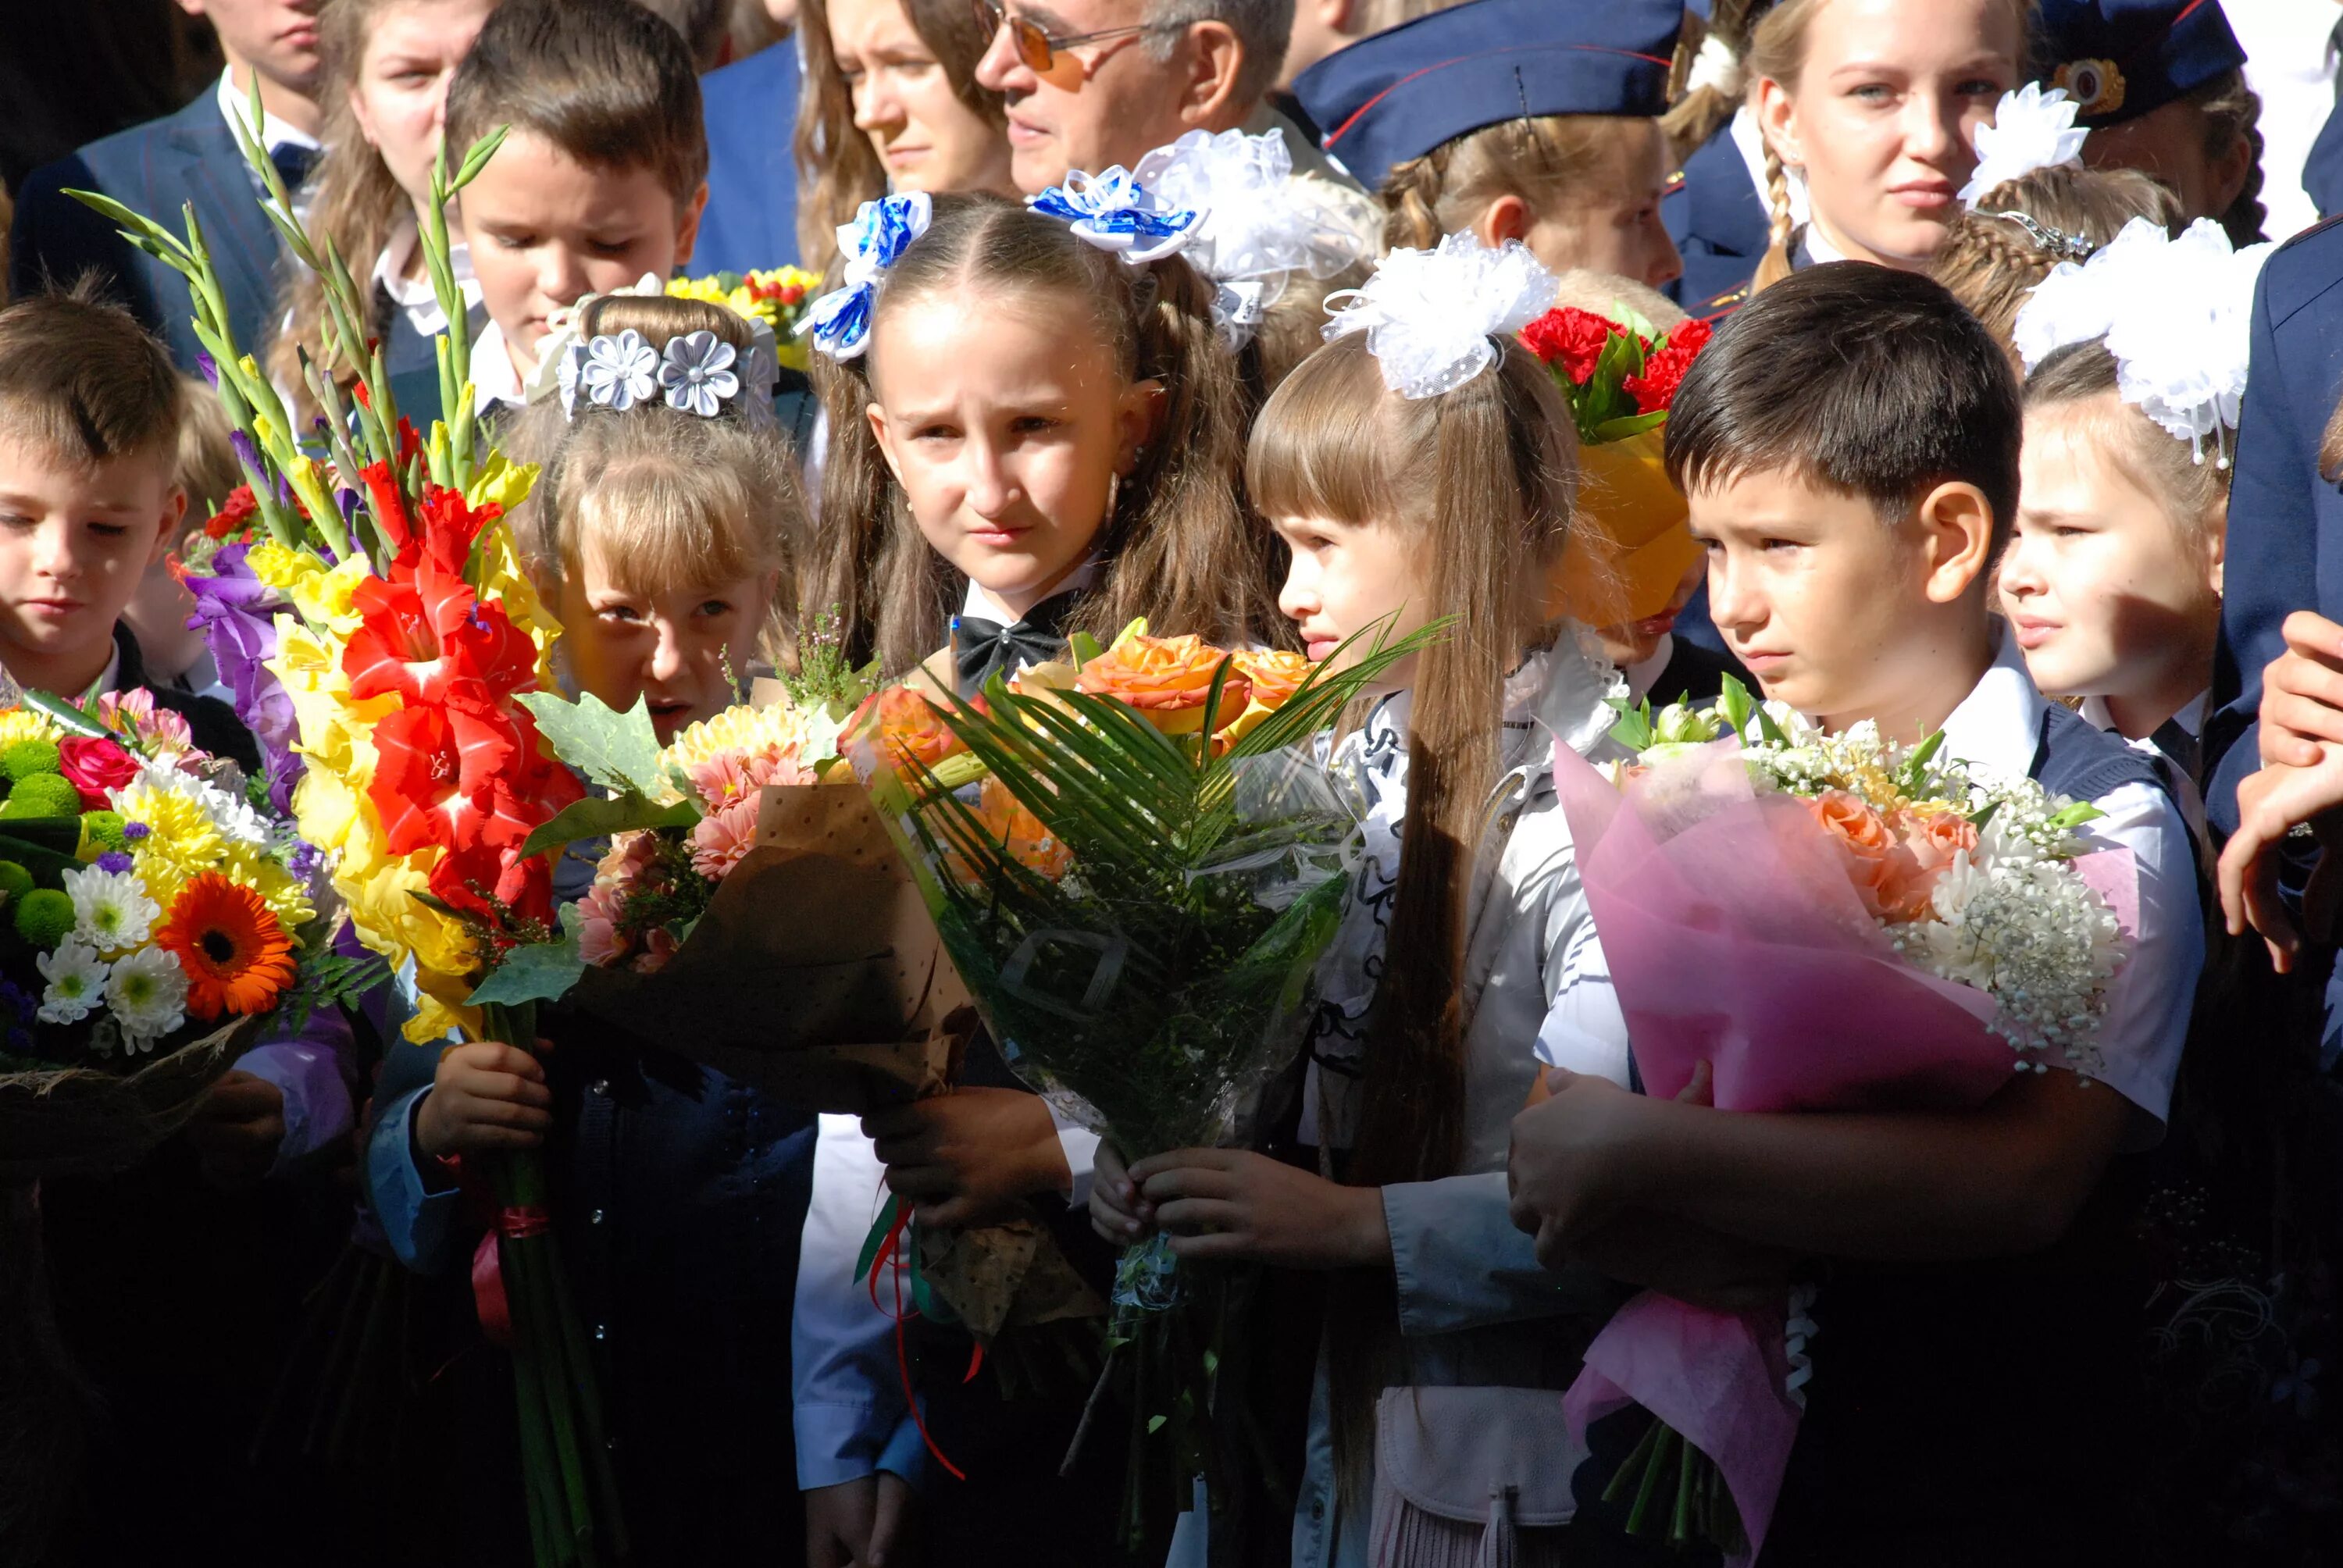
(2169, 142)
(682, 653)
(545, 229)
(1343, 578)
(1006, 426)
(1616, 230)
(904, 103)
(1883, 116)
(1825, 602)
(1101, 104)
(401, 90)
(2108, 593)
(279, 37)
(75, 542)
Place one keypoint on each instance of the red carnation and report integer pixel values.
(1569, 337)
(94, 766)
(1663, 372)
(239, 508)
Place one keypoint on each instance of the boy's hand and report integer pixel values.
(2270, 802)
(964, 1159)
(2302, 693)
(486, 1095)
(1233, 1203)
(237, 1130)
(1119, 1212)
(859, 1523)
(1570, 1170)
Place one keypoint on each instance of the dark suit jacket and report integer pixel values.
(2322, 172)
(155, 168)
(2285, 522)
(751, 109)
(1718, 218)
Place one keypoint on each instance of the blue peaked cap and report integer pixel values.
(1397, 94)
(2120, 59)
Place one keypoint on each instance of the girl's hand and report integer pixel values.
(1118, 1213)
(1231, 1204)
(966, 1158)
(485, 1095)
(1571, 1167)
(859, 1523)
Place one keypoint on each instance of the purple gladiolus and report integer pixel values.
(236, 613)
(204, 363)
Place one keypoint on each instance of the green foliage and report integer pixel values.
(540, 971)
(27, 758)
(104, 830)
(43, 917)
(1633, 729)
(600, 816)
(824, 680)
(326, 978)
(80, 720)
(618, 752)
(45, 795)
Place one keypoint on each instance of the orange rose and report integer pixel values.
(1885, 873)
(1273, 675)
(909, 727)
(1167, 678)
(1017, 830)
(1933, 837)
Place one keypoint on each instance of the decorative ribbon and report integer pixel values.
(1115, 213)
(489, 1299)
(890, 1259)
(840, 321)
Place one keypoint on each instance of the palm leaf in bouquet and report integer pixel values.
(1137, 895)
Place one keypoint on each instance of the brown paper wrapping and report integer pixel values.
(75, 1122)
(817, 973)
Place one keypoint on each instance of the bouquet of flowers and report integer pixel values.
(1833, 922)
(1136, 886)
(1619, 377)
(778, 297)
(377, 640)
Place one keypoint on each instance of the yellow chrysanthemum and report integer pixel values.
(737, 728)
(25, 724)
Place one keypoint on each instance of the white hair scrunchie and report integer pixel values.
(1430, 315)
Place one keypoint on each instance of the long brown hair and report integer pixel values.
(353, 203)
(1179, 546)
(1546, 160)
(838, 170)
(2232, 110)
(1488, 473)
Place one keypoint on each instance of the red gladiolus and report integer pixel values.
(468, 879)
(1663, 372)
(239, 508)
(410, 445)
(451, 526)
(418, 638)
(436, 773)
(94, 766)
(1571, 337)
(389, 504)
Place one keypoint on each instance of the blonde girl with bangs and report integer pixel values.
(1401, 504)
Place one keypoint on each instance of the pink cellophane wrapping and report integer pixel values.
(1734, 937)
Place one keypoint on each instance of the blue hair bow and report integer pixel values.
(840, 321)
(1115, 212)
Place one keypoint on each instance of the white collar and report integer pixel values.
(1814, 246)
(236, 107)
(415, 296)
(1641, 676)
(494, 377)
(1999, 725)
(980, 603)
(2191, 716)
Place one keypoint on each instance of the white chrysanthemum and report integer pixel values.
(76, 978)
(148, 994)
(232, 815)
(111, 909)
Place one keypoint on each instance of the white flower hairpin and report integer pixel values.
(1254, 228)
(1115, 211)
(614, 372)
(1430, 315)
(2031, 129)
(2176, 314)
(695, 372)
(840, 321)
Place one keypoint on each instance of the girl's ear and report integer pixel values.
(884, 434)
(1138, 414)
(1507, 217)
(1777, 119)
(1958, 523)
(2217, 546)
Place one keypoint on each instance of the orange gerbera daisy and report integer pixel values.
(235, 955)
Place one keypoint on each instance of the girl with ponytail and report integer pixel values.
(1421, 466)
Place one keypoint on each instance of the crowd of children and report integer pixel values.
(1996, 342)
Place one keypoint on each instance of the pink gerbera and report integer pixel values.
(723, 836)
(730, 777)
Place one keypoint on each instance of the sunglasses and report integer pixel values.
(1036, 48)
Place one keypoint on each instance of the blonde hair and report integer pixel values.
(1602, 293)
(1778, 53)
(1546, 160)
(1179, 545)
(355, 204)
(668, 499)
(207, 465)
(1697, 114)
(1991, 261)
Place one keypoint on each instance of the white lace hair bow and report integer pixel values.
(695, 372)
(2031, 129)
(1255, 229)
(1428, 315)
(2177, 315)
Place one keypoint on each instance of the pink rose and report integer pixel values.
(95, 767)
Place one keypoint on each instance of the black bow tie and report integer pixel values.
(293, 163)
(982, 647)
(2180, 748)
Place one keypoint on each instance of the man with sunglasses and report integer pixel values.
(1094, 83)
